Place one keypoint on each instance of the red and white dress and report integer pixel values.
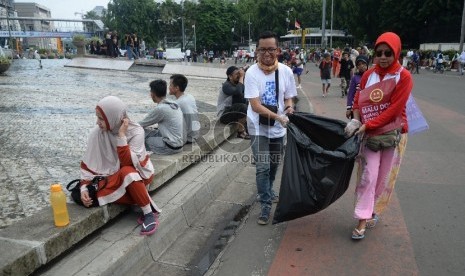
(123, 160)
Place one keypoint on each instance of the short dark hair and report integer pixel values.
(268, 34)
(230, 71)
(158, 87)
(179, 81)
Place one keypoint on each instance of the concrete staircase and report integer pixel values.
(35, 244)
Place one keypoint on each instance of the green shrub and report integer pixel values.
(4, 59)
(79, 37)
(95, 39)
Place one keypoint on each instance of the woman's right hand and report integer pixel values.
(124, 127)
(86, 200)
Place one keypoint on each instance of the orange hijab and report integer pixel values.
(393, 41)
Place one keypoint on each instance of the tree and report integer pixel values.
(416, 21)
(214, 26)
(91, 15)
(126, 17)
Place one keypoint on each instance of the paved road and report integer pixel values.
(421, 233)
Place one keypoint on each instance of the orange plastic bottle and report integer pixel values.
(58, 201)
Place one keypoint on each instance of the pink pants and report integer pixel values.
(375, 171)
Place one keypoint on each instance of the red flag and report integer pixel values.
(297, 24)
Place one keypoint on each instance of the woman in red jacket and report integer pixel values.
(116, 150)
(379, 108)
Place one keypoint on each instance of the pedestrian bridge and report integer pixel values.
(34, 34)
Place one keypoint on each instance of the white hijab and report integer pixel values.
(101, 156)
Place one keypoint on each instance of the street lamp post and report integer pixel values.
(288, 20)
(8, 22)
(183, 36)
(195, 39)
(232, 35)
(462, 31)
(182, 23)
(250, 23)
(323, 26)
(331, 37)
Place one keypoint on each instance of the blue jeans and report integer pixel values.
(129, 51)
(267, 153)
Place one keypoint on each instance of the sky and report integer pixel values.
(66, 8)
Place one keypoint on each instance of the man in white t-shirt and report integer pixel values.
(186, 102)
(267, 133)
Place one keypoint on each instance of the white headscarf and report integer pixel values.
(101, 156)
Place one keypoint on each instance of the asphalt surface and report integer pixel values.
(421, 231)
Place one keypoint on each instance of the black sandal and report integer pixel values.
(243, 135)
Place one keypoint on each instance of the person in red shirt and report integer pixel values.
(379, 108)
(336, 62)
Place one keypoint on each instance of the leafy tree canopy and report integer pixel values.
(222, 23)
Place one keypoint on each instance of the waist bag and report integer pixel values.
(386, 140)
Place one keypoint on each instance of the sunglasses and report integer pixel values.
(387, 53)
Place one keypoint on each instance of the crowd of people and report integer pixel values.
(133, 46)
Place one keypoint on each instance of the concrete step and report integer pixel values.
(118, 249)
(35, 241)
(199, 245)
(100, 63)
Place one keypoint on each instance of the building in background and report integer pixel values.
(6, 25)
(36, 11)
(99, 10)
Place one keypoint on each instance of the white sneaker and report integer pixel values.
(299, 86)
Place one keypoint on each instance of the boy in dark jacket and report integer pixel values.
(345, 73)
(325, 73)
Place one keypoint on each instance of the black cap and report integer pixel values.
(231, 70)
(362, 58)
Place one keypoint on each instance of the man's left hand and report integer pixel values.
(289, 110)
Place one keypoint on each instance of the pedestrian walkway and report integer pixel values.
(320, 244)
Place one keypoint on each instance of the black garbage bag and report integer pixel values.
(317, 168)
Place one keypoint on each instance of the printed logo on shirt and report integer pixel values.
(376, 95)
(269, 96)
